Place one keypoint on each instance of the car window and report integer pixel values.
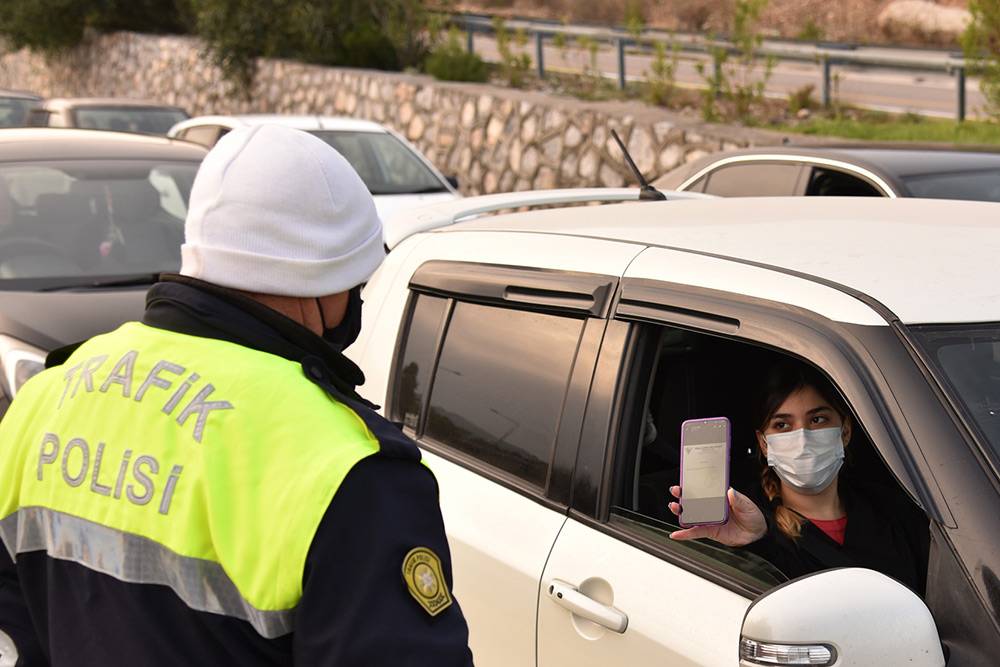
(497, 387)
(968, 358)
(414, 375)
(39, 118)
(385, 164)
(977, 185)
(699, 185)
(686, 375)
(14, 111)
(825, 182)
(63, 221)
(758, 179)
(144, 120)
(206, 135)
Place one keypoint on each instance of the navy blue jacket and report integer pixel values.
(355, 607)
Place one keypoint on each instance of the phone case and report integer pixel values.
(729, 435)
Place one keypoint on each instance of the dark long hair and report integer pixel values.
(782, 380)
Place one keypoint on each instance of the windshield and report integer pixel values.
(142, 120)
(968, 356)
(79, 222)
(976, 185)
(14, 111)
(385, 164)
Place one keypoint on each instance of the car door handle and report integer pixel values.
(568, 596)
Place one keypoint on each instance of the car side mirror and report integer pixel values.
(849, 616)
(452, 181)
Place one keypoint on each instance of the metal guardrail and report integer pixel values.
(826, 57)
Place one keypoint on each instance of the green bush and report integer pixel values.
(661, 81)
(51, 26)
(449, 61)
(514, 67)
(381, 34)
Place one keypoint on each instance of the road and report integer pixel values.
(894, 90)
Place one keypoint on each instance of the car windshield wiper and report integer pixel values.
(116, 281)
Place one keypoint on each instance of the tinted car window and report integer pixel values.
(499, 386)
(61, 222)
(414, 374)
(980, 185)
(151, 120)
(834, 183)
(968, 356)
(14, 111)
(38, 118)
(754, 180)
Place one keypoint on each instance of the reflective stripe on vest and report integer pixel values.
(156, 457)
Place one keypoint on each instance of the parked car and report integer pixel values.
(841, 171)
(118, 114)
(87, 219)
(396, 173)
(14, 107)
(523, 352)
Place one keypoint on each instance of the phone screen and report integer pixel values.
(704, 471)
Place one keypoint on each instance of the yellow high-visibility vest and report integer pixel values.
(162, 458)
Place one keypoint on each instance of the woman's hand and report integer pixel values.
(746, 523)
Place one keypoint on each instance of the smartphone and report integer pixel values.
(704, 471)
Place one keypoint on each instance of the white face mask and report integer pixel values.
(807, 460)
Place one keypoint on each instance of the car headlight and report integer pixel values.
(19, 361)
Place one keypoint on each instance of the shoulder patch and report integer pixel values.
(425, 580)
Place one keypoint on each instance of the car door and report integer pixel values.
(616, 589)
(490, 378)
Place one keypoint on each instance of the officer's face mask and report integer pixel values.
(345, 333)
(807, 460)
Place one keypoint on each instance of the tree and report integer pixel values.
(52, 26)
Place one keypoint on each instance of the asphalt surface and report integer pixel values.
(926, 92)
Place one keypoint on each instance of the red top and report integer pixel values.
(834, 528)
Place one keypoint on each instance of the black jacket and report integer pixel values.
(355, 607)
(885, 532)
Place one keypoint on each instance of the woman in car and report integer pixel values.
(818, 515)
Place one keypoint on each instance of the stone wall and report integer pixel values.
(494, 139)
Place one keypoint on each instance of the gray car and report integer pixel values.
(841, 171)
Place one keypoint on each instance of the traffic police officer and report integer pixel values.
(205, 486)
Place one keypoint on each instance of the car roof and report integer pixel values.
(41, 143)
(72, 102)
(19, 94)
(928, 261)
(336, 123)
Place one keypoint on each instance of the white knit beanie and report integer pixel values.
(278, 211)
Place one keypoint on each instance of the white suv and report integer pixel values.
(527, 352)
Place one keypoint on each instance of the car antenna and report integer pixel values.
(646, 191)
